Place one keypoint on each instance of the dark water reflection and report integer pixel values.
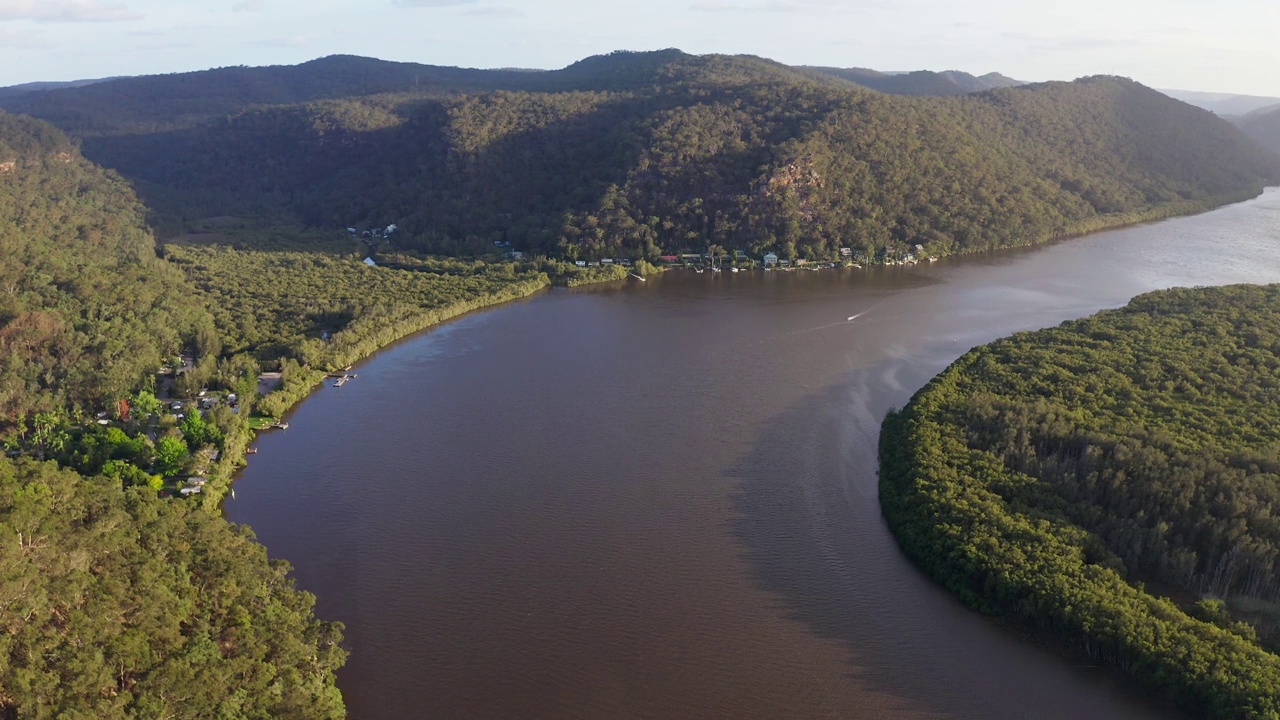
(659, 500)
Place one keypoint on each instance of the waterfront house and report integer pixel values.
(669, 259)
(190, 490)
(607, 261)
(784, 263)
(771, 259)
(739, 255)
(581, 263)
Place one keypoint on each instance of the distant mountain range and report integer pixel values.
(184, 98)
(24, 88)
(921, 82)
(1224, 104)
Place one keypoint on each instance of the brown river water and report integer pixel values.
(658, 500)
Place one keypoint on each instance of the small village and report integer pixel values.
(738, 261)
(714, 260)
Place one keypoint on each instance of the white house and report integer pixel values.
(771, 259)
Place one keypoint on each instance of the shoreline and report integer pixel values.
(294, 390)
(290, 395)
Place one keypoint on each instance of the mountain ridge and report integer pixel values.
(1263, 126)
(634, 154)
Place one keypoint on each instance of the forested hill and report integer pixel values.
(115, 603)
(86, 308)
(1050, 477)
(635, 154)
(1263, 127)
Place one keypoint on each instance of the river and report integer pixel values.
(658, 500)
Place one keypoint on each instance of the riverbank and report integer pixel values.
(427, 521)
(296, 386)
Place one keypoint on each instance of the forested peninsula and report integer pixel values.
(1112, 482)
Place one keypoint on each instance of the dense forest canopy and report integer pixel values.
(637, 154)
(87, 310)
(117, 604)
(1047, 476)
(114, 601)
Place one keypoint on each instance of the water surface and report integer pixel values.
(658, 500)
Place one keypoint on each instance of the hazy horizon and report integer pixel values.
(1179, 44)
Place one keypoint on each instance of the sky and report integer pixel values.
(1229, 46)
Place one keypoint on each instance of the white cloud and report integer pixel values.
(250, 6)
(66, 11)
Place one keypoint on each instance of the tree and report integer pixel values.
(196, 431)
(171, 456)
(145, 404)
(49, 433)
(131, 475)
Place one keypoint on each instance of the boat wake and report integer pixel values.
(840, 323)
